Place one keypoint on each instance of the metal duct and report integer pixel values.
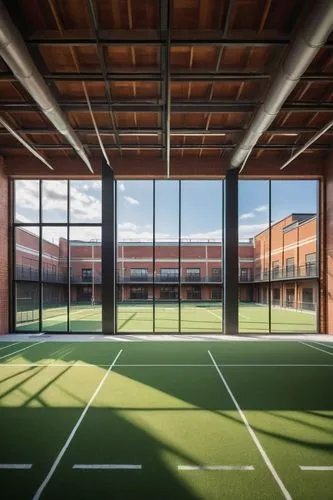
(312, 35)
(16, 55)
(18, 136)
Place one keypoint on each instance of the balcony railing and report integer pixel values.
(23, 273)
(288, 273)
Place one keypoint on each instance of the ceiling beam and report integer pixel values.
(174, 131)
(176, 106)
(155, 41)
(61, 147)
(135, 74)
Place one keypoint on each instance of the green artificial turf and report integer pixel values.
(164, 405)
(200, 317)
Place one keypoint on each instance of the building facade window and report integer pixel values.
(86, 274)
(194, 293)
(290, 267)
(275, 270)
(138, 293)
(169, 274)
(216, 274)
(193, 274)
(308, 299)
(169, 293)
(138, 274)
(310, 264)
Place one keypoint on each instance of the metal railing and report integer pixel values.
(288, 272)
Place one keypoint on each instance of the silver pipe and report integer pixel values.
(17, 136)
(310, 38)
(16, 55)
(101, 145)
(307, 144)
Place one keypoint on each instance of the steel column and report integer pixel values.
(230, 268)
(108, 251)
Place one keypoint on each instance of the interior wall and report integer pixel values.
(4, 301)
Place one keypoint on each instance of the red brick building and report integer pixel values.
(283, 260)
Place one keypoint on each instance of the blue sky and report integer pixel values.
(201, 206)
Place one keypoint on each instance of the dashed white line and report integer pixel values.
(108, 466)
(322, 468)
(215, 467)
(15, 466)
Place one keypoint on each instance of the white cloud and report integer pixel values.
(135, 236)
(122, 187)
(128, 226)
(96, 185)
(247, 215)
(85, 187)
(22, 218)
(131, 201)
(250, 230)
(262, 208)
(27, 194)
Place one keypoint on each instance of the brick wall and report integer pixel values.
(3, 250)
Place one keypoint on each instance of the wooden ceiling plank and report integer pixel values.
(265, 15)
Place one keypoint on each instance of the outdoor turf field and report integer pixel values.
(166, 420)
(200, 317)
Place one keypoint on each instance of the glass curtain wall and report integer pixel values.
(169, 264)
(254, 252)
(278, 229)
(57, 240)
(169, 256)
(135, 264)
(294, 234)
(201, 256)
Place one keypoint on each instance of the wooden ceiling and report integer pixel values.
(182, 82)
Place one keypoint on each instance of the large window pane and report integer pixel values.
(55, 278)
(85, 202)
(167, 256)
(85, 278)
(27, 306)
(27, 253)
(26, 201)
(54, 201)
(135, 256)
(253, 247)
(201, 259)
(294, 256)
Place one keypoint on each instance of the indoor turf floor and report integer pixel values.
(166, 420)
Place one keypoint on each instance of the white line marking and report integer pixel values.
(72, 434)
(214, 314)
(317, 348)
(215, 467)
(24, 349)
(252, 434)
(317, 467)
(244, 317)
(10, 345)
(15, 466)
(108, 466)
